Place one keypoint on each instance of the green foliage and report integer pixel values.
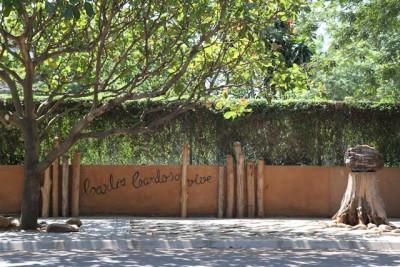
(70, 9)
(150, 45)
(280, 132)
(232, 108)
(362, 61)
(287, 71)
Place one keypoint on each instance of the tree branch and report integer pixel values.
(8, 35)
(102, 41)
(139, 127)
(83, 123)
(77, 131)
(12, 73)
(14, 92)
(9, 120)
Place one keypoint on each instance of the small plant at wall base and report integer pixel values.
(111, 52)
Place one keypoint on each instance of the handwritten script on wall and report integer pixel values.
(138, 181)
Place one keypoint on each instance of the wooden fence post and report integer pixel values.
(239, 179)
(65, 186)
(230, 186)
(76, 179)
(260, 188)
(221, 191)
(237, 148)
(240, 187)
(184, 196)
(55, 182)
(45, 190)
(251, 199)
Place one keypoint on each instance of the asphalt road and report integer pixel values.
(200, 257)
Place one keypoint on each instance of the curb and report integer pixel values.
(148, 244)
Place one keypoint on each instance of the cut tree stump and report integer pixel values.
(361, 203)
(363, 158)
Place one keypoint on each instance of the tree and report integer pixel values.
(287, 52)
(362, 203)
(362, 59)
(109, 52)
(287, 72)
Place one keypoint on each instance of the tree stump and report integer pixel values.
(361, 203)
(363, 159)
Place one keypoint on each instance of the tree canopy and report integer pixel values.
(182, 53)
(362, 59)
(109, 52)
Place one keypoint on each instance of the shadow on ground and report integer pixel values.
(200, 257)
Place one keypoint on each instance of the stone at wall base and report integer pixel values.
(4, 223)
(74, 221)
(61, 228)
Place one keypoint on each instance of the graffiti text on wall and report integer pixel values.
(137, 181)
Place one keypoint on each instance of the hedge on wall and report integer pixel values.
(283, 133)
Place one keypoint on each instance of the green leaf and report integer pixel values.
(219, 105)
(68, 12)
(6, 11)
(50, 7)
(230, 115)
(77, 13)
(89, 9)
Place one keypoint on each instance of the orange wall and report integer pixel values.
(155, 190)
(147, 190)
(317, 191)
(11, 184)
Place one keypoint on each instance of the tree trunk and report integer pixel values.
(31, 193)
(361, 203)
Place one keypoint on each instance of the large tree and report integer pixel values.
(360, 56)
(108, 52)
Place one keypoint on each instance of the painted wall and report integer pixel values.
(155, 190)
(147, 190)
(11, 184)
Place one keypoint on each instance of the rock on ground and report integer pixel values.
(61, 228)
(385, 227)
(4, 222)
(75, 221)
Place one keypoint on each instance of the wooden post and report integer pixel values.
(260, 188)
(65, 186)
(185, 163)
(55, 196)
(230, 186)
(240, 187)
(237, 148)
(45, 190)
(76, 179)
(239, 179)
(251, 199)
(221, 191)
(55, 182)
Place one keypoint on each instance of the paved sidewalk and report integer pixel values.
(200, 257)
(130, 233)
